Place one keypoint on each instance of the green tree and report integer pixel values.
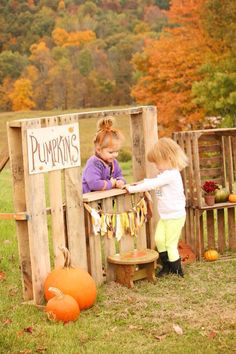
(216, 93)
(11, 64)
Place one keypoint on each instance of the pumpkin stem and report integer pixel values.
(67, 257)
(57, 292)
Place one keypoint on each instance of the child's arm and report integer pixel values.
(95, 182)
(120, 181)
(146, 185)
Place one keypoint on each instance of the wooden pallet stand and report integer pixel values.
(50, 215)
(212, 156)
(134, 265)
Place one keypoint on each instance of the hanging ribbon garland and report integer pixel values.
(116, 224)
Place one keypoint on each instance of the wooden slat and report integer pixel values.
(190, 238)
(211, 172)
(141, 232)
(196, 168)
(221, 230)
(143, 136)
(190, 187)
(127, 241)
(209, 161)
(109, 243)
(19, 200)
(75, 211)
(95, 254)
(234, 156)
(223, 152)
(152, 223)
(209, 148)
(99, 195)
(229, 162)
(4, 158)
(14, 216)
(85, 115)
(37, 223)
(231, 228)
(210, 230)
(57, 214)
(199, 242)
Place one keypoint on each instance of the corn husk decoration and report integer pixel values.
(118, 224)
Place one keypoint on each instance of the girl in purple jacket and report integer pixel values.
(102, 171)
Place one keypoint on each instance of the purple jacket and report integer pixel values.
(97, 174)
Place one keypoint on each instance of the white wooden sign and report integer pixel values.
(53, 148)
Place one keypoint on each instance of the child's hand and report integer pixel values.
(113, 182)
(120, 184)
(126, 187)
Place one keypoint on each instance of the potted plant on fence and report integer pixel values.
(209, 188)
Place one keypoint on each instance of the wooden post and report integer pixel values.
(144, 136)
(37, 223)
(57, 213)
(19, 200)
(75, 211)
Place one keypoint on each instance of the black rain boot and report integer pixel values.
(165, 264)
(175, 268)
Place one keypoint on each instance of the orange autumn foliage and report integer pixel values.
(63, 38)
(21, 96)
(169, 67)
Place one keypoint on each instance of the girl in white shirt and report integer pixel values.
(169, 159)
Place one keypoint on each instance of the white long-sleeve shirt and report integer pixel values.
(169, 191)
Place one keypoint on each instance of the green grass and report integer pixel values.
(132, 321)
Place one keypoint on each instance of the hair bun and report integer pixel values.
(105, 123)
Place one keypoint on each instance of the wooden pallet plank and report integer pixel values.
(95, 251)
(197, 169)
(75, 210)
(127, 241)
(37, 223)
(231, 228)
(229, 162)
(57, 213)
(109, 243)
(221, 230)
(141, 231)
(190, 187)
(19, 201)
(199, 242)
(210, 230)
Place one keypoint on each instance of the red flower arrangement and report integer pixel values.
(209, 187)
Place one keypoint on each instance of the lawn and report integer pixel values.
(191, 315)
(195, 314)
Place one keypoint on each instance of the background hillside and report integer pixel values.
(69, 54)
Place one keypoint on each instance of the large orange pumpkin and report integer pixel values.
(72, 281)
(62, 307)
(211, 255)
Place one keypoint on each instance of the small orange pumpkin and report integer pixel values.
(62, 307)
(232, 198)
(76, 282)
(211, 255)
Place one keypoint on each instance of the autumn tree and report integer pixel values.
(21, 96)
(167, 68)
